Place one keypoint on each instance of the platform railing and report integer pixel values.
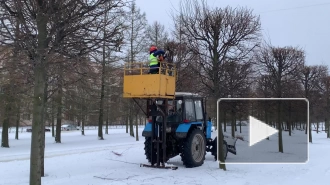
(142, 68)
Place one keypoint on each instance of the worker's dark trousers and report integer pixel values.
(154, 69)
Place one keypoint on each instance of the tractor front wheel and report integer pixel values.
(194, 149)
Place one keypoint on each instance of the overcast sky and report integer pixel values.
(304, 23)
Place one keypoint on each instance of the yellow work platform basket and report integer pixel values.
(139, 83)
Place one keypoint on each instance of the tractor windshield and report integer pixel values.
(174, 111)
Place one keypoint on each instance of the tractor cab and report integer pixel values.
(182, 108)
(185, 109)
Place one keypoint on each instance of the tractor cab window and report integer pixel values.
(174, 111)
(199, 110)
(190, 110)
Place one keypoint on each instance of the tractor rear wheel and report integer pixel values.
(147, 150)
(194, 149)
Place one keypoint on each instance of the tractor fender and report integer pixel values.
(147, 130)
(183, 129)
(208, 130)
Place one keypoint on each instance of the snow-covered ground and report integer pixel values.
(266, 151)
(85, 160)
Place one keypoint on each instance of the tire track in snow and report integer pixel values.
(58, 153)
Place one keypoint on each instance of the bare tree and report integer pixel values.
(137, 33)
(236, 83)
(157, 34)
(281, 65)
(59, 103)
(85, 93)
(326, 96)
(292, 89)
(137, 45)
(112, 28)
(50, 27)
(7, 97)
(181, 56)
(311, 80)
(12, 88)
(217, 36)
(264, 89)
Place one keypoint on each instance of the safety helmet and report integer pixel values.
(153, 48)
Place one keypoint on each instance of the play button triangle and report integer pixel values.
(259, 131)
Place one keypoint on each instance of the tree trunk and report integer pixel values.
(59, 113)
(326, 125)
(107, 121)
(328, 133)
(224, 121)
(131, 128)
(232, 122)
(42, 154)
(15, 55)
(240, 124)
(130, 118)
(100, 125)
(18, 118)
(37, 124)
(40, 81)
(42, 149)
(220, 156)
(279, 127)
(266, 118)
(53, 125)
(327, 117)
(310, 134)
(5, 126)
(137, 129)
(235, 122)
(293, 125)
(83, 125)
(53, 117)
(126, 122)
(289, 127)
(101, 110)
(289, 121)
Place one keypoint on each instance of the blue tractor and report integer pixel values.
(180, 126)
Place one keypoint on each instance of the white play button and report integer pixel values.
(259, 130)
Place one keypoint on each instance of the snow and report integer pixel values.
(87, 160)
(266, 151)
